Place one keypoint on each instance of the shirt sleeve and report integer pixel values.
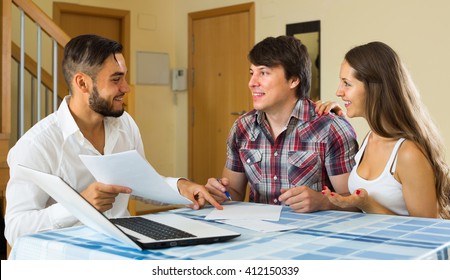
(342, 147)
(233, 162)
(30, 209)
(173, 182)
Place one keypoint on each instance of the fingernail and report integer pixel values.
(325, 187)
(332, 194)
(358, 192)
(323, 192)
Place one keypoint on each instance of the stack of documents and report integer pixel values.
(253, 216)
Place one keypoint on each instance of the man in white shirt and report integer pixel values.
(92, 121)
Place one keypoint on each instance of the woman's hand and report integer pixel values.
(325, 107)
(357, 199)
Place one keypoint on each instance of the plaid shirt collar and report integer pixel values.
(302, 112)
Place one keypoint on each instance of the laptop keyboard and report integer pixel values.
(151, 229)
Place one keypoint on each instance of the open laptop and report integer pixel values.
(193, 231)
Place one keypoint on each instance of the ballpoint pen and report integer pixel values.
(226, 192)
(228, 195)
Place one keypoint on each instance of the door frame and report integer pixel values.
(240, 8)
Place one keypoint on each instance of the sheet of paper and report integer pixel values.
(258, 225)
(254, 211)
(132, 170)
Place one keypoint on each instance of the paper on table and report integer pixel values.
(258, 225)
(132, 170)
(249, 211)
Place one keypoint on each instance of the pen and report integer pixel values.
(228, 195)
(226, 192)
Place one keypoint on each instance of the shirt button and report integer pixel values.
(275, 200)
(275, 154)
(248, 160)
(275, 177)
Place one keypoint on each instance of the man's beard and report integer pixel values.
(101, 105)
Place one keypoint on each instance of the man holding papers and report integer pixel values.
(90, 121)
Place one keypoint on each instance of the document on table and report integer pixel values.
(258, 225)
(253, 216)
(132, 170)
(254, 211)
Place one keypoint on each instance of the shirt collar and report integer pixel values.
(303, 111)
(65, 119)
(69, 126)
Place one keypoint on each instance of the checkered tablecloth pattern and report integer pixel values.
(326, 235)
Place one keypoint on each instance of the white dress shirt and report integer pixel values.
(53, 146)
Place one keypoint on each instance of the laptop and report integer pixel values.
(130, 230)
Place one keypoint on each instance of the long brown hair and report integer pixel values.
(394, 109)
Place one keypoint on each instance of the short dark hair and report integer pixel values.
(288, 52)
(87, 53)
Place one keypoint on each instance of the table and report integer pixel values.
(325, 235)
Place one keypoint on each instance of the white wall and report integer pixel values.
(416, 29)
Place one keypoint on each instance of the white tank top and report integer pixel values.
(385, 189)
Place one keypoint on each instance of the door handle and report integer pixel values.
(238, 113)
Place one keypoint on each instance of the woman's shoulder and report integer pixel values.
(411, 158)
(413, 168)
(410, 151)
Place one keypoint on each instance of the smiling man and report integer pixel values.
(283, 148)
(90, 121)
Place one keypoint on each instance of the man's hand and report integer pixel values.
(303, 199)
(102, 196)
(217, 188)
(196, 193)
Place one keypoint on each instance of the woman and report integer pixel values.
(400, 168)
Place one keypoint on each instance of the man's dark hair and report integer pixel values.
(87, 53)
(288, 52)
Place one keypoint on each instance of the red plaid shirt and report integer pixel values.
(307, 152)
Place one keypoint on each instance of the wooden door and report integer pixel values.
(114, 24)
(219, 41)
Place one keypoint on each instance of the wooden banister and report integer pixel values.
(31, 67)
(11, 51)
(8, 50)
(6, 67)
(43, 20)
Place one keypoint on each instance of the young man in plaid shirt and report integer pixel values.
(283, 148)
